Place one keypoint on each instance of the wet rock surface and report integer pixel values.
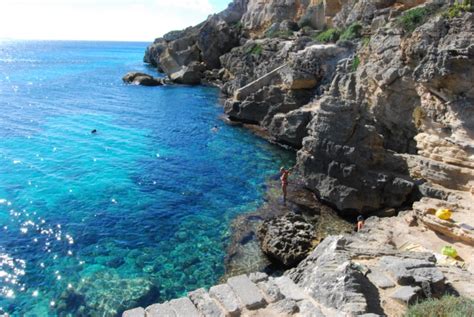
(142, 79)
(245, 254)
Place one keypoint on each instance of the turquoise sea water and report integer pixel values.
(135, 214)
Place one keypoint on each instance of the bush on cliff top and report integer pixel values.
(411, 19)
(447, 306)
(330, 35)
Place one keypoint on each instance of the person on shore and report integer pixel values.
(284, 173)
(360, 223)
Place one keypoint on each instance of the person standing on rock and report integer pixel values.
(284, 180)
(360, 223)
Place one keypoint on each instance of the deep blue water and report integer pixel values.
(139, 212)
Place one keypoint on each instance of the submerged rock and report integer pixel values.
(105, 293)
(141, 79)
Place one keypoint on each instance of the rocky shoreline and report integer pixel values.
(377, 99)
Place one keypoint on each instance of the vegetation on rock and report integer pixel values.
(446, 306)
(279, 34)
(330, 35)
(413, 18)
(352, 32)
(355, 63)
(456, 9)
(257, 49)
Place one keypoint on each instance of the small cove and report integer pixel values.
(136, 214)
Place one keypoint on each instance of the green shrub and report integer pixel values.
(355, 63)
(256, 49)
(457, 9)
(279, 34)
(411, 19)
(447, 306)
(352, 32)
(330, 35)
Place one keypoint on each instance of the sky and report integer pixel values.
(112, 20)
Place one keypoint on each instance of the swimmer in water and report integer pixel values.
(94, 131)
(215, 129)
(284, 180)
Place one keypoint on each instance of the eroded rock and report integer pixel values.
(286, 239)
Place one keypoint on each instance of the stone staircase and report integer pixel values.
(351, 275)
(255, 294)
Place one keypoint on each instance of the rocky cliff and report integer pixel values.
(376, 95)
(377, 98)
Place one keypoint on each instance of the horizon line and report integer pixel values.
(76, 40)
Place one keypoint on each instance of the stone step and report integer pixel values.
(205, 304)
(308, 309)
(183, 307)
(227, 298)
(406, 294)
(160, 310)
(289, 289)
(379, 279)
(136, 312)
(270, 290)
(247, 292)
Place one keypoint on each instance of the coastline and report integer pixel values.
(352, 88)
(244, 252)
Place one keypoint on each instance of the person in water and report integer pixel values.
(284, 173)
(360, 223)
(94, 131)
(215, 129)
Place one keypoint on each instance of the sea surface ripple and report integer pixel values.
(91, 224)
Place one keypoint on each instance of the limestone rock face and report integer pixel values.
(179, 53)
(286, 239)
(372, 119)
(153, 52)
(215, 38)
(442, 54)
(290, 128)
(141, 79)
(335, 275)
(263, 13)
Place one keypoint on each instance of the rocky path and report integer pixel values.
(363, 274)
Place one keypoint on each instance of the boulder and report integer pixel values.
(286, 239)
(188, 75)
(141, 79)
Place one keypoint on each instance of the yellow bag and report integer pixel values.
(444, 214)
(449, 251)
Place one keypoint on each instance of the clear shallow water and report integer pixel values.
(139, 212)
